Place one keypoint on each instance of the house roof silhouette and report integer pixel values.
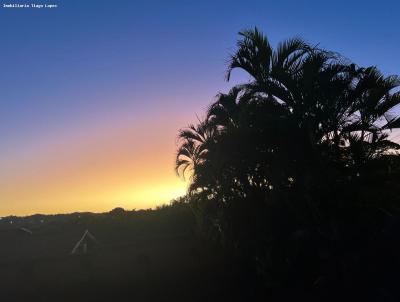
(86, 244)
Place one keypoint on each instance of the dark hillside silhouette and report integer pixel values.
(148, 255)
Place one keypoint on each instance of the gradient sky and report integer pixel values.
(92, 93)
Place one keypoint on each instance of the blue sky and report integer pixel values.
(86, 57)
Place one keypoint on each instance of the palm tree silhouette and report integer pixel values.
(335, 104)
(295, 160)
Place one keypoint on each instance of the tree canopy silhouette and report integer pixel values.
(295, 162)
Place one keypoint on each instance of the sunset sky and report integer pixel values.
(92, 93)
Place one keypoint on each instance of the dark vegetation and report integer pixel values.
(294, 194)
(294, 175)
(148, 255)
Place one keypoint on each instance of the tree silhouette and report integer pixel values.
(294, 162)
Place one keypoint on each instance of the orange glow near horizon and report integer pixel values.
(94, 170)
